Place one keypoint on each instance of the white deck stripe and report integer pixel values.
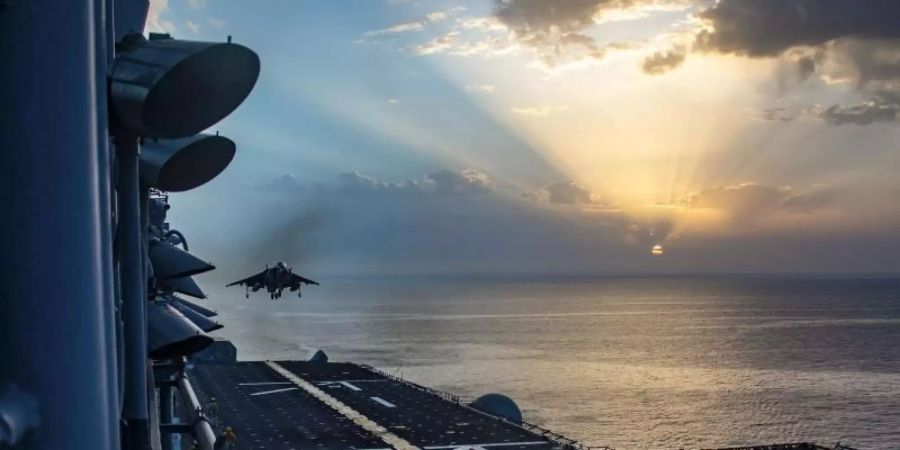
(275, 391)
(264, 383)
(485, 444)
(384, 402)
(351, 381)
(368, 424)
(351, 386)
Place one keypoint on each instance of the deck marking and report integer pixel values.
(351, 386)
(485, 444)
(383, 402)
(349, 381)
(367, 424)
(275, 391)
(264, 383)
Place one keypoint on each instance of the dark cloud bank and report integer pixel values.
(441, 183)
(861, 36)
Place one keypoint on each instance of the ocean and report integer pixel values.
(628, 362)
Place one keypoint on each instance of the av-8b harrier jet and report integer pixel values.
(274, 279)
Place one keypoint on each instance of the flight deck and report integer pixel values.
(298, 405)
(293, 405)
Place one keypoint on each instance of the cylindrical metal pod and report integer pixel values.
(172, 262)
(170, 334)
(168, 88)
(182, 164)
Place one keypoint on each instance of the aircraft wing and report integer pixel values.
(296, 277)
(258, 278)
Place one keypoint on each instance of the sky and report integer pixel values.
(540, 137)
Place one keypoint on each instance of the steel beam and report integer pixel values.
(54, 346)
(134, 291)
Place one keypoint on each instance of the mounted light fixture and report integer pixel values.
(183, 285)
(202, 322)
(205, 311)
(166, 88)
(170, 334)
(183, 164)
(172, 262)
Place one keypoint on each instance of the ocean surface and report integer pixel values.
(656, 362)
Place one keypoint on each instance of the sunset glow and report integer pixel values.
(595, 128)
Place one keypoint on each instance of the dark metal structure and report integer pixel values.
(86, 102)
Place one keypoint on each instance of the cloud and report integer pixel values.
(216, 23)
(486, 88)
(776, 114)
(355, 184)
(486, 23)
(413, 25)
(806, 66)
(404, 27)
(749, 200)
(539, 111)
(866, 113)
(845, 39)
(661, 62)
(436, 16)
(768, 28)
(486, 47)
(556, 29)
(285, 183)
(196, 4)
(565, 193)
(440, 183)
(155, 22)
(462, 182)
(193, 26)
(439, 44)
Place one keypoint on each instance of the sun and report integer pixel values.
(657, 250)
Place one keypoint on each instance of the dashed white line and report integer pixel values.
(350, 385)
(320, 383)
(264, 383)
(368, 424)
(383, 402)
(275, 391)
